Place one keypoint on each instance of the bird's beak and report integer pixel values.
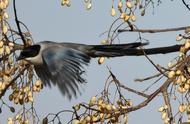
(20, 58)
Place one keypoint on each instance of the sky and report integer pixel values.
(48, 20)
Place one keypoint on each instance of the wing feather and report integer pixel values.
(63, 67)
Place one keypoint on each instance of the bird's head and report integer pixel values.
(30, 53)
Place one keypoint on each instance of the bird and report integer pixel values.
(63, 64)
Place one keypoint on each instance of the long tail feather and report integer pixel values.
(113, 50)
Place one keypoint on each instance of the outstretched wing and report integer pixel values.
(63, 67)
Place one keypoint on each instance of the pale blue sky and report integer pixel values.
(48, 20)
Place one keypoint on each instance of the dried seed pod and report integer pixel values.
(76, 122)
(18, 117)
(88, 5)
(120, 4)
(10, 120)
(94, 118)
(5, 15)
(1, 43)
(92, 101)
(178, 72)
(127, 17)
(187, 30)
(101, 60)
(123, 14)
(7, 50)
(142, 11)
(187, 45)
(1, 50)
(45, 120)
(76, 107)
(133, 18)
(181, 89)
(171, 74)
(5, 29)
(186, 86)
(108, 107)
(31, 99)
(164, 115)
(182, 108)
(11, 44)
(103, 42)
(87, 118)
(129, 5)
(113, 12)
(161, 109)
(179, 37)
(12, 109)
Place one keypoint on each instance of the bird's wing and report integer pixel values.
(63, 67)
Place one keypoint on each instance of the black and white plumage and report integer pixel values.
(63, 64)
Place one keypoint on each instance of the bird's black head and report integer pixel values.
(30, 51)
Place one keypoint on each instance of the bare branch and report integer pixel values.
(154, 30)
(127, 88)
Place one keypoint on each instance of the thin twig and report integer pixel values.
(18, 23)
(167, 102)
(127, 88)
(186, 5)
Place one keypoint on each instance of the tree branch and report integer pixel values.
(154, 30)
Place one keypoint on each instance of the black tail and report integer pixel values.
(113, 50)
